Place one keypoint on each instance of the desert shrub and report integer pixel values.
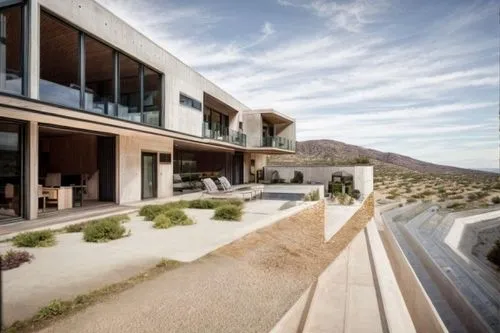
(455, 205)
(408, 190)
(456, 197)
(495, 200)
(314, 195)
(43, 238)
(151, 211)
(14, 259)
(228, 213)
(362, 160)
(427, 193)
(350, 201)
(75, 227)
(178, 217)
(307, 197)
(53, 309)
(356, 194)
(390, 197)
(298, 177)
(103, 230)
(411, 200)
(162, 222)
(203, 204)
(494, 254)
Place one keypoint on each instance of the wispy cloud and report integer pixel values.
(378, 73)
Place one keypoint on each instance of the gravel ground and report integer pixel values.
(245, 286)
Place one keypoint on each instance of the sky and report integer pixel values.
(419, 78)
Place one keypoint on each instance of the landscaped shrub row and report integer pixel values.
(150, 212)
(13, 259)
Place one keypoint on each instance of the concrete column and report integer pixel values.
(34, 49)
(117, 172)
(32, 170)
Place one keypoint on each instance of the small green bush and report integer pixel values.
(178, 217)
(103, 230)
(75, 227)
(162, 222)
(151, 211)
(203, 204)
(43, 238)
(495, 200)
(314, 195)
(14, 259)
(54, 309)
(494, 254)
(228, 213)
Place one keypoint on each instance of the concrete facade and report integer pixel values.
(180, 125)
(362, 175)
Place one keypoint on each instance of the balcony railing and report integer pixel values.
(222, 133)
(278, 142)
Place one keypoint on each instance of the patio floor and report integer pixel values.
(73, 266)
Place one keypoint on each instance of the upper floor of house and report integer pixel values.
(79, 56)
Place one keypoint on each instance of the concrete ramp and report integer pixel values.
(357, 292)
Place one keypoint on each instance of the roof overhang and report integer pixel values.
(272, 116)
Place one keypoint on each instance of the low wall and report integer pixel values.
(362, 175)
(424, 315)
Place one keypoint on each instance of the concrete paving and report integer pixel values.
(74, 266)
(346, 290)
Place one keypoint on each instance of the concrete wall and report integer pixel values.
(89, 16)
(424, 315)
(362, 175)
(252, 126)
(286, 131)
(260, 162)
(129, 166)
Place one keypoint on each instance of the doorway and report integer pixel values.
(149, 175)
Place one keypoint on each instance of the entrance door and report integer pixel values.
(149, 179)
(238, 168)
(106, 162)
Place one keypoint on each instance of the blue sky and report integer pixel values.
(420, 78)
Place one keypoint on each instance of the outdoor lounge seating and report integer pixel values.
(213, 190)
(257, 189)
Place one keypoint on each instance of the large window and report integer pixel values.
(99, 77)
(11, 48)
(78, 71)
(59, 62)
(130, 89)
(152, 97)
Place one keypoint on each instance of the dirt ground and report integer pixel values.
(245, 286)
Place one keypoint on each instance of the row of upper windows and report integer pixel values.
(113, 83)
(79, 71)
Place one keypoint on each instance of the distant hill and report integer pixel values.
(316, 152)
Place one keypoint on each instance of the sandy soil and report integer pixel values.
(245, 286)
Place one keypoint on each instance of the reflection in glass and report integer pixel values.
(98, 77)
(59, 62)
(128, 107)
(11, 55)
(152, 97)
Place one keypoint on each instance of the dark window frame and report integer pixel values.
(116, 71)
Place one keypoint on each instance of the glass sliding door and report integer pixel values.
(149, 178)
(11, 170)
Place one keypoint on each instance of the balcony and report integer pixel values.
(278, 142)
(221, 133)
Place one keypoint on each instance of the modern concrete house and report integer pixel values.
(92, 111)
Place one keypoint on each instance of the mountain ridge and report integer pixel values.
(332, 152)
